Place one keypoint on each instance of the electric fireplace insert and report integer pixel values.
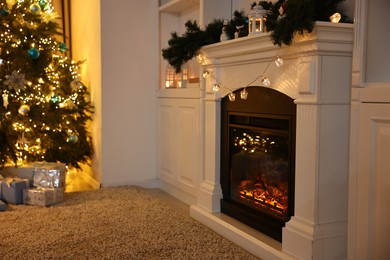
(257, 159)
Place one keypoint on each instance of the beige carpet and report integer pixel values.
(109, 223)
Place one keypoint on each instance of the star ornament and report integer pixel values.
(23, 142)
(48, 17)
(15, 81)
(76, 84)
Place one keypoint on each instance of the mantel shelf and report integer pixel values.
(178, 6)
(326, 36)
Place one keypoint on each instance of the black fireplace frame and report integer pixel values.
(267, 103)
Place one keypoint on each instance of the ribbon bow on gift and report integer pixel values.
(9, 180)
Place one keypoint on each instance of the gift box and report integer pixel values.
(3, 206)
(27, 171)
(23, 171)
(11, 189)
(43, 196)
(49, 175)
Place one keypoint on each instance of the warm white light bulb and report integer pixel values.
(266, 82)
(279, 62)
(232, 96)
(216, 87)
(335, 18)
(244, 94)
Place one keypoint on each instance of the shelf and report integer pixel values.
(182, 93)
(178, 6)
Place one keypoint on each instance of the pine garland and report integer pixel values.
(183, 48)
(284, 19)
(287, 17)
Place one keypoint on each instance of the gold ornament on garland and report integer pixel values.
(335, 18)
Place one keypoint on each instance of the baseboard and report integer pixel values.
(147, 184)
(178, 193)
(251, 240)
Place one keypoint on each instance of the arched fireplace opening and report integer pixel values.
(258, 159)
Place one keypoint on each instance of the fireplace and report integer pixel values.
(257, 159)
(316, 75)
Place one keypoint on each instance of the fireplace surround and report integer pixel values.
(316, 75)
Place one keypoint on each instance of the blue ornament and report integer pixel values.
(246, 20)
(43, 4)
(73, 138)
(55, 99)
(35, 8)
(3, 11)
(63, 47)
(33, 53)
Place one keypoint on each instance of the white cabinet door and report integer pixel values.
(178, 137)
(369, 232)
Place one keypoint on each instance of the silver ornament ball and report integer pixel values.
(35, 8)
(73, 138)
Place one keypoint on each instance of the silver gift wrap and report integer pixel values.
(49, 176)
(43, 196)
(27, 171)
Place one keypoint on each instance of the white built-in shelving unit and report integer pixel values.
(180, 110)
(369, 167)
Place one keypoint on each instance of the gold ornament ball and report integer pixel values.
(24, 109)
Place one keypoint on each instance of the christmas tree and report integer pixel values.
(44, 107)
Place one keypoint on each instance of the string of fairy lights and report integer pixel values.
(41, 92)
(218, 86)
(265, 81)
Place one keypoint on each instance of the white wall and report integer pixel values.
(129, 48)
(85, 36)
(347, 5)
(118, 40)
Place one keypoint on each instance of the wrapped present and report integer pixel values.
(43, 196)
(11, 189)
(27, 171)
(23, 171)
(49, 176)
(3, 206)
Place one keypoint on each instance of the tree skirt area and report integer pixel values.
(109, 223)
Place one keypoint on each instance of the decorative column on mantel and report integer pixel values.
(317, 75)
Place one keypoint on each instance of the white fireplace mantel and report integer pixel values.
(317, 75)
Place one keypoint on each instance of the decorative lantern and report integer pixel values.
(174, 79)
(257, 17)
(193, 71)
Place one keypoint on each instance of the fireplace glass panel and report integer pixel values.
(257, 159)
(259, 170)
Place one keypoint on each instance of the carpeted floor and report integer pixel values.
(109, 223)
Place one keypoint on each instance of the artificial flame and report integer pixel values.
(269, 197)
